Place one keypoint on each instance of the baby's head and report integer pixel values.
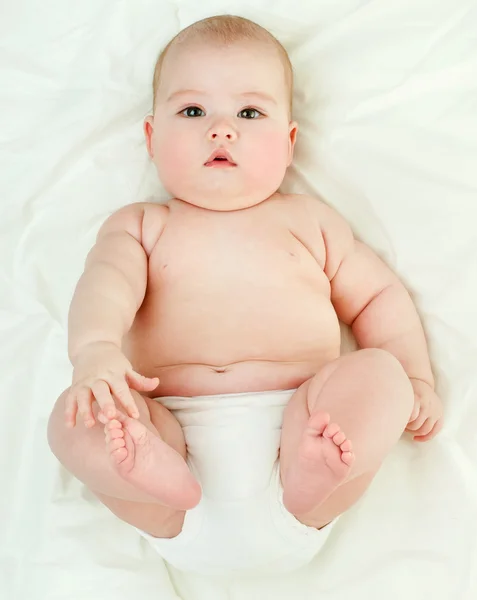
(222, 83)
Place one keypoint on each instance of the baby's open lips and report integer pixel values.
(220, 155)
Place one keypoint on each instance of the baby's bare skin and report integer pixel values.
(263, 307)
(235, 287)
(255, 315)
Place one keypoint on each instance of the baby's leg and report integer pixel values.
(140, 473)
(337, 429)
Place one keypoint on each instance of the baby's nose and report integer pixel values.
(222, 130)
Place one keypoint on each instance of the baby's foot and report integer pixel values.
(323, 461)
(147, 462)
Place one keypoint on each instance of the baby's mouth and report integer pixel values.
(220, 162)
(220, 158)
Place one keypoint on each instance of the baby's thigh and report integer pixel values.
(165, 423)
(367, 393)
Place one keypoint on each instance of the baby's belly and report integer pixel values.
(226, 347)
(247, 376)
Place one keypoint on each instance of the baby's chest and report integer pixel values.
(231, 258)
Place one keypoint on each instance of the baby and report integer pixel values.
(220, 418)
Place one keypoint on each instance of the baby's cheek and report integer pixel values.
(173, 160)
(271, 154)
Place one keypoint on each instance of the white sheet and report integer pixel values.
(386, 100)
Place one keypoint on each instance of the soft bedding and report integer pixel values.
(386, 98)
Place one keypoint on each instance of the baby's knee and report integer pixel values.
(381, 360)
(387, 374)
(383, 363)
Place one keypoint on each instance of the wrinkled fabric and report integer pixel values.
(241, 526)
(385, 98)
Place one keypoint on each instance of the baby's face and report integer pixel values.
(221, 97)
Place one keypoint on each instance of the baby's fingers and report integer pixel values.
(140, 383)
(418, 422)
(85, 402)
(122, 392)
(102, 393)
(71, 409)
(415, 411)
(434, 431)
(425, 428)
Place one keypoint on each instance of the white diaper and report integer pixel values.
(240, 523)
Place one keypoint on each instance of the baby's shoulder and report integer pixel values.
(145, 221)
(320, 227)
(315, 211)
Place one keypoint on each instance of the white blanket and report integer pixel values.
(386, 100)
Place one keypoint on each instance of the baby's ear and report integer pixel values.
(148, 131)
(292, 131)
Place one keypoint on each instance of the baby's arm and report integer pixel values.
(107, 297)
(113, 284)
(370, 298)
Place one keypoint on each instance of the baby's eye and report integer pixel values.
(192, 111)
(250, 113)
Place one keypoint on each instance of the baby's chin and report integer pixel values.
(223, 201)
(222, 205)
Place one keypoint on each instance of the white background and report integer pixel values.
(386, 99)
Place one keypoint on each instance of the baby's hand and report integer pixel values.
(426, 418)
(102, 371)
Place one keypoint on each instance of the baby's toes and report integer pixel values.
(116, 444)
(331, 430)
(317, 423)
(346, 446)
(116, 433)
(347, 454)
(113, 424)
(347, 458)
(113, 434)
(339, 438)
(119, 455)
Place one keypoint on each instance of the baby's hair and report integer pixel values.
(226, 29)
